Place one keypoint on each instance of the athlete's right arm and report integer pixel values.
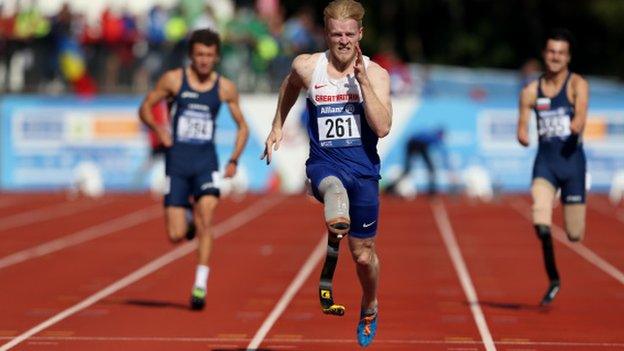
(288, 94)
(164, 89)
(527, 100)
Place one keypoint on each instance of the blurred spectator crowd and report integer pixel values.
(121, 52)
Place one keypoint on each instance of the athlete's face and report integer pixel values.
(342, 37)
(556, 55)
(204, 58)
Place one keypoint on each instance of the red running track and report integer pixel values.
(455, 275)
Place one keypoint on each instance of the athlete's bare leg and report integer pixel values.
(204, 211)
(176, 222)
(574, 219)
(543, 193)
(367, 266)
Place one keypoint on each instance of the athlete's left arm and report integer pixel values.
(229, 94)
(375, 84)
(580, 94)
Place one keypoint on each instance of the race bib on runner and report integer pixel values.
(339, 131)
(194, 129)
(554, 126)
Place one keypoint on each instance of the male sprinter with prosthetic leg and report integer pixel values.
(191, 164)
(559, 99)
(348, 102)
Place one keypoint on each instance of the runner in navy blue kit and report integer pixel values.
(559, 99)
(196, 93)
(349, 107)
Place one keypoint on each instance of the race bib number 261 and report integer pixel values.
(339, 131)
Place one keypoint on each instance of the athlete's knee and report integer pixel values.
(204, 224)
(575, 232)
(175, 234)
(364, 253)
(363, 258)
(577, 235)
(204, 210)
(176, 223)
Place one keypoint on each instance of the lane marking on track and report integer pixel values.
(448, 236)
(313, 260)
(6, 202)
(109, 226)
(524, 209)
(251, 212)
(205, 340)
(48, 212)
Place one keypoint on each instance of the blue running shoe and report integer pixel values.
(366, 329)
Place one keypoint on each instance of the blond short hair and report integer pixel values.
(344, 9)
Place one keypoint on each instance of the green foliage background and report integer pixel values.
(492, 33)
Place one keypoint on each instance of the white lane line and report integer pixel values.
(448, 235)
(108, 227)
(206, 340)
(303, 274)
(242, 217)
(48, 212)
(579, 248)
(6, 202)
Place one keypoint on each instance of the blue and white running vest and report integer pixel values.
(554, 115)
(337, 127)
(193, 128)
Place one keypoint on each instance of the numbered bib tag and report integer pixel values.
(339, 131)
(195, 129)
(554, 126)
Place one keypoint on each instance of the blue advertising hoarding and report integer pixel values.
(43, 139)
